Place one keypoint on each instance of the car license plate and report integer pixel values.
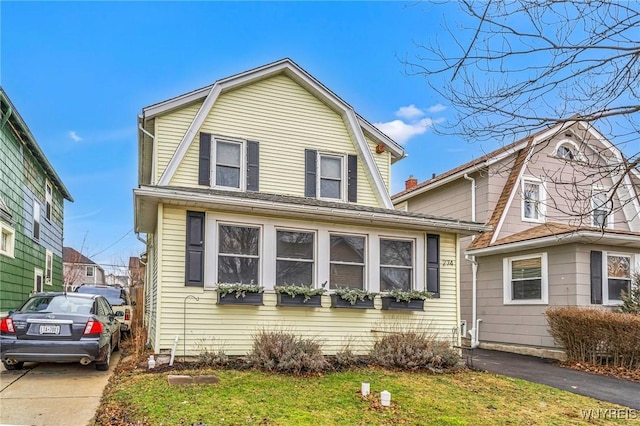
(49, 329)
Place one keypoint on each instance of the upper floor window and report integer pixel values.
(89, 272)
(295, 258)
(48, 200)
(331, 176)
(601, 207)
(396, 264)
(566, 149)
(228, 164)
(347, 261)
(238, 254)
(7, 240)
(525, 279)
(235, 163)
(36, 220)
(533, 196)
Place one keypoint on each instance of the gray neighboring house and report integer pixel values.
(79, 269)
(565, 232)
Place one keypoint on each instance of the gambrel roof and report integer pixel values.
(355, 124)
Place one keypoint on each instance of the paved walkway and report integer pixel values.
(540, 370)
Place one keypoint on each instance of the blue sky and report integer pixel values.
(80, 72)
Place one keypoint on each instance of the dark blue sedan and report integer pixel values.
(60, 327)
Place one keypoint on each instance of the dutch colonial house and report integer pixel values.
(565, 216)
(31, 213)
(268, 177)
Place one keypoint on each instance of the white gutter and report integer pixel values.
(475, 322)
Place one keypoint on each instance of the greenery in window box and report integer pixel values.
(407, 295)
(300, 290)
(352, 295)
(238, 289)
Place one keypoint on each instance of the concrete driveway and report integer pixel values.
(52, 394)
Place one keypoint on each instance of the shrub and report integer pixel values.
(596, 336)
(413, 350)
(283, 352)
(631, 301)
(209, 356)
(345, 359)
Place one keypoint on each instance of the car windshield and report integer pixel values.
(115, 296)
(59, 303)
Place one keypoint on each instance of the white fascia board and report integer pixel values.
(370, 165)
(295, 211)
(187, 98)
(594, 237)
(189, 136)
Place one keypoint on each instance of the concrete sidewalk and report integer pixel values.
(544, 371)
(46, 394)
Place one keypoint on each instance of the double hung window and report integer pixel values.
(526, 279)
(228, 164)
(347, 261)
(295, 258)
(331, 176)
(601, 209)
(618, 276)
(532, 200)
(396, 264)
(238, 254)
(48, 200)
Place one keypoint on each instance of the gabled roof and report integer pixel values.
(11, 117)
(210, 94)
(71, 255)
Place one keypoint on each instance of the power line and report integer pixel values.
(117, 241)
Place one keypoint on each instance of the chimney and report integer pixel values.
(410, 183)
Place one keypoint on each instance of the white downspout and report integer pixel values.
(475, 322)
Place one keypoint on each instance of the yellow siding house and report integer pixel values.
(268, 177)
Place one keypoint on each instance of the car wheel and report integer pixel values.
(105, 365)
(16, 366)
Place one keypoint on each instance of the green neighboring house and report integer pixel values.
(31, 213)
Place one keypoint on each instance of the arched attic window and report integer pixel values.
(567, 150)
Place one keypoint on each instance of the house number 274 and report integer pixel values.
(447, 262)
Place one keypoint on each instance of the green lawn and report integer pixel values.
(249, 397)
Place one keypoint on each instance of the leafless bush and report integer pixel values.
(596, 336)
(284, 352)
(413, 349)
(211, 356)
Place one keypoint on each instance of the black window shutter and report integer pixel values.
(204, 163)
(433, 264)
(194, 265)
(310, 173)
(353, 178)
(253, 166)
(596, 277)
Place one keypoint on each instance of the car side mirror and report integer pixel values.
(119, 314)
(112, 317)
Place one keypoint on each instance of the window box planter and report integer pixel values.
(299, 295)
(339, 302)
(391, 303)
(240, 294)
(298, 300)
